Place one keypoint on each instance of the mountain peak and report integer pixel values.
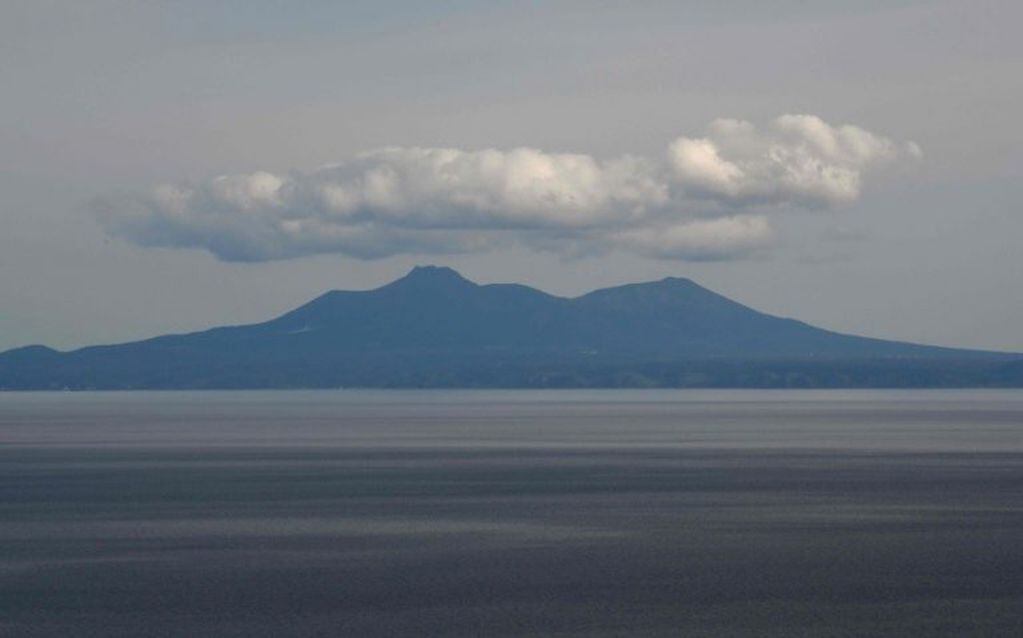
(432, 277)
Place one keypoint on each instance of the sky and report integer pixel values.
(167, 167)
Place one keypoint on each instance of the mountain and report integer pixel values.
(434, 328)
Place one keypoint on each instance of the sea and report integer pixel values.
(512, 513)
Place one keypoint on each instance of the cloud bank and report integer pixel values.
(709, 197)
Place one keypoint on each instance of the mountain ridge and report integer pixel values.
(435, 328)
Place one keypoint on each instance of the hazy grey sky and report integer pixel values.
(171, 166)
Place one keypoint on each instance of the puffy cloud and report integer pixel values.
(446, 200)
(521, 188)
(798, 160)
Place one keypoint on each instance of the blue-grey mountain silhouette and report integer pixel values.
(434, 328)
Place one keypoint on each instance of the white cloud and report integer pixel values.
(444, 200)
(700, 240)
(798, 160)
(521, 188)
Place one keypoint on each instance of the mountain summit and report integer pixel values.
(435, 328)
(432, 278)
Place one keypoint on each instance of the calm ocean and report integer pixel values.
(512, 513)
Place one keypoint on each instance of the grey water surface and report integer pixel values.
(512, 513)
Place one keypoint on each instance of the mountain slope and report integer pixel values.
(434, 328)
